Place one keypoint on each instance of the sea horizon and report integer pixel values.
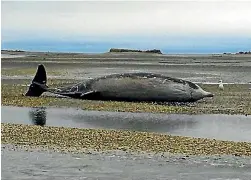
(95, 27)
(97, 48)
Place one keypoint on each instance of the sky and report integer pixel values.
(97, 26)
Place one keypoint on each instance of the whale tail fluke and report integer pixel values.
(38, 84)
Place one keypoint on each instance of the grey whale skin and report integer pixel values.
(124, 87)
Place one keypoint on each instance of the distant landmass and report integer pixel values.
(157, 51)
(241, 52)
(6, 50)
(118, 50)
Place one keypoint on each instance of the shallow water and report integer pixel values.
(217, 126)
(20, 164)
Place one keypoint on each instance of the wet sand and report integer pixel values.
(43, 164)
(197, 68)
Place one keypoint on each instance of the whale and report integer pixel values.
(139, 87)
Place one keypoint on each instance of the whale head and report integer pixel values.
(197, 92)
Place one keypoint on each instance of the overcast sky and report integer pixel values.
(131, 21)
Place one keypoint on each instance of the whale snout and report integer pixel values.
(200, 94)
(208, 94)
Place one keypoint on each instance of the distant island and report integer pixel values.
(157, 51)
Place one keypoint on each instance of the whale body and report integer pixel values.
(124, 87)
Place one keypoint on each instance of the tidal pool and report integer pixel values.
(214, 126)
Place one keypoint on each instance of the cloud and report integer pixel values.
(79, 18)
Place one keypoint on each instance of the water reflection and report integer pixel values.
(38, 116)
(136, 121)
(217, 126)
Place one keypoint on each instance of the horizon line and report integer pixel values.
(101, 52)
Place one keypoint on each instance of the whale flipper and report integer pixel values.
(86, 95)
(90, 95)
(38, 84)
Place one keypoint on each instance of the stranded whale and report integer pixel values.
(124, 87)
